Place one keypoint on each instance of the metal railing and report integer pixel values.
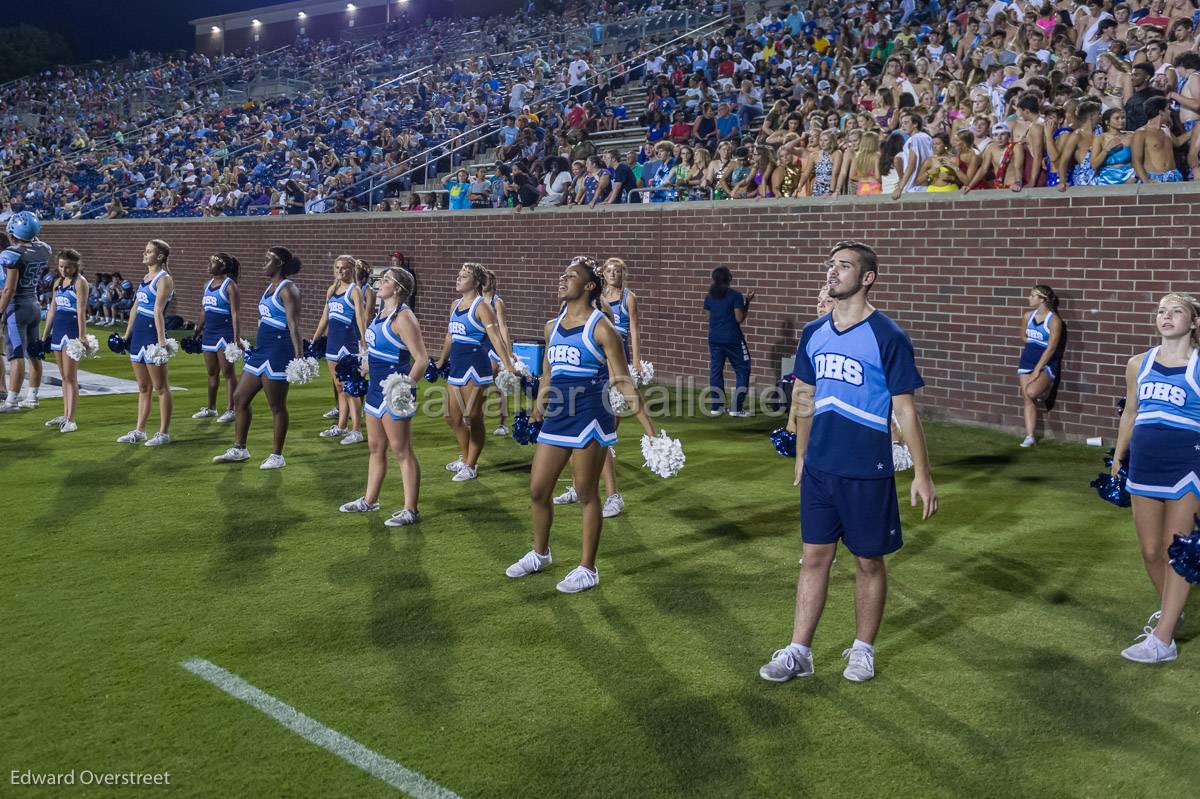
(647, 193)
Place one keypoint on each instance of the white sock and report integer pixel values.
(32, 392)
(799, 650)
(11, 399)
(863, 645)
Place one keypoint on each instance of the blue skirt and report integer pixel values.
(271, 353)
(381, 370)
(1164, 462)
(144, 334)
(341, 339)
(66, 326)
(218, 331)
(577, 413)
(1030, 357)
(469, 364)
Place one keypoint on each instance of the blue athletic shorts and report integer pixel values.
(862, 513)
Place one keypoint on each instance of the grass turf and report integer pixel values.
(998, 665)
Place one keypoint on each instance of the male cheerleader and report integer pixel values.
(854, 368)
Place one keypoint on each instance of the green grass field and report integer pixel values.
(998, 665)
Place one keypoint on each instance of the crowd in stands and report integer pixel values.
(816, 99)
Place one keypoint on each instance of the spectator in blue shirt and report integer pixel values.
(727, 309)
(459, 186)
(728, 126)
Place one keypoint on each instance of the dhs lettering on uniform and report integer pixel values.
(264, 310)
(565, 353)
(336, 307)
(144, 299)
(832, 366)
(1033, 334)
(457, 328)
(370, 337)
(63, 302)
(210, 301)
(1163, 392)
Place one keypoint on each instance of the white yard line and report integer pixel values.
(313, 731)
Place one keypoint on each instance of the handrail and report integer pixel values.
(648, 192)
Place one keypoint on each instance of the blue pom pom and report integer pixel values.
(785, 442)
(347, 368)
(315, 348)
(531, 385)
(118, 344)
(1120, 406)
(445, 370)
(355, 386)
(1184, 553)
(1112, 489)
(431, 371)
(191, 345)
(525, 431)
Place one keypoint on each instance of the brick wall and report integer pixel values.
(955, 274)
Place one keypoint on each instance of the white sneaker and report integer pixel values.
(1148, 649)
(57, 421)
(353, 437)
(713, 412)
(227, 417)
(1028, 442)
(465, 473)
(332, 413)
(786, 664)
(9, 407)
(500, 431)
(273, 461)
(530, 563)
(29, 403)
(454, 465)
(158, 439)
(612, 506)
(567, 497)
(204, 413)
(332, 431)
(739, 414)
(861, 666)
(132, 437)
(68, 427)
(581, 578)
(403, 518)
(233, 455)
(360, 505)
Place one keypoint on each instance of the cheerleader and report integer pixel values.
(147, 327)
(345, 319)
(362, 276)
(219, 326)
(1039, 366)
(394, 344)
(583, 350)
(472, 321)
(67, 320)
(1160, 432)
(265, 369)
(500, 310)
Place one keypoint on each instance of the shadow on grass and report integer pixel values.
(251, 524)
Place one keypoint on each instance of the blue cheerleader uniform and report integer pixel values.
(487, 342)
(144, 332)
(577, 412)
(1164, 453)
(66, 317)
(1037, 338)
(621, 321)
(342, 338)
(273, 347)
(386, 355)
(468, 356)
(218, 318)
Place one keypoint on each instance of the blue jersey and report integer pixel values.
(1169, 396)
(465, 327)
(574, 352)
(147, 295)
(384, 344)
(270, 310)
(29, 259)
(341, 307)
(1038, 333)
(855, 372)
(723, 327)
(65, 300)
(216, 301)
(620, 311)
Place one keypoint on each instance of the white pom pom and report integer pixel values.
(616, 400)
(300, 371)
(645, 373)
(507, 382)
(75, 349)
(172, 348)
(157, 354)
(521, 369)
(363, 360)
(663, 455)
(91, 345)
(314, 365)
(901, 457)
(235, 351)
(398, 394)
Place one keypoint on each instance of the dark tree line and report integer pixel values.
(25, 49)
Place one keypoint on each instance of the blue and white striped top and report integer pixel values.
(465, 327)
(147, 295)
(270, 310)
(574, 352)
(1169, 396)
(217, 300)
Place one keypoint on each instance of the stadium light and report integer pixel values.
(302, 15)
(351, 7)
(215, 29)
(255, 22)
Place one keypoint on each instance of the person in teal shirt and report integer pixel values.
(459, 184)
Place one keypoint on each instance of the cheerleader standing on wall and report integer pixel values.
(219, 326)
(344, 319)
(471, 323)
(583, 350)
(67, 320)
(1040, 360)
(147, 327)
(394, 344)
(501, 312)
(1160, 431)
(265, 369)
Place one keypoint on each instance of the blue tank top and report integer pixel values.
(1038, 334)
(217, 300)
(464, 325)
(621, 313)
(147, 295)
(65, 300)
(574, 352)
(341, 307)
(270, 310)
(1169, 396)
(383, 343)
